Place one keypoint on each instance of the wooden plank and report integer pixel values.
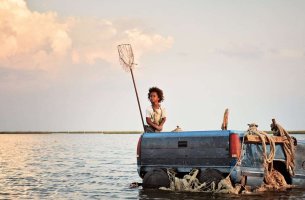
(256, 139)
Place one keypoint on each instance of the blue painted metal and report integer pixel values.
(187, 150)
(192, 134)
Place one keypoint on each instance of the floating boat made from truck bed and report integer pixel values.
(220, 150)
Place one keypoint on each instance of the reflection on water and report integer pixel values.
(83, 166)
(157, 194)
(67, 166)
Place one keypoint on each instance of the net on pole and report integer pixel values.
(127, 62)
(126, 56)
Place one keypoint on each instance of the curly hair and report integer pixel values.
(158, 91)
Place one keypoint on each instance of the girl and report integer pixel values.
(155, 114)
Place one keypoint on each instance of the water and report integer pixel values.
(84, 166)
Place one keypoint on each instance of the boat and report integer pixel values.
(229, 153)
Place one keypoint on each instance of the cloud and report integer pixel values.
(97, 39)
(287, 53)
(241, 50)
(256, 51)
(33, 40)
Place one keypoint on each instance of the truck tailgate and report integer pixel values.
(192, 148)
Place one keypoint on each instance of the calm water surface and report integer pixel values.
(84, 166)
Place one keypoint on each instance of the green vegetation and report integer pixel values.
(290, 132)
(71, 132)
(296, 132)
(25, 132)
(101, 132)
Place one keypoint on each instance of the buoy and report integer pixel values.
(235, 145)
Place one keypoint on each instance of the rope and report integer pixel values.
(289, 147)
(188, 183)
(272, 178)
(268, 159)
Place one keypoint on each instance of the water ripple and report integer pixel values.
(82, 166)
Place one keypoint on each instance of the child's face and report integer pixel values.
(153, 97)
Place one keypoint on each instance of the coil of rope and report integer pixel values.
(289, 145)
(273, 179)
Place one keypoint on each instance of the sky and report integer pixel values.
(60, 70)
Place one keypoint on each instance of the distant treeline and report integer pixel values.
(71, 132)
(290, 132)
(99, 132)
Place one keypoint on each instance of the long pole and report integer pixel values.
(135, 88)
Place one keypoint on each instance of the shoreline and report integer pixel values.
(103, 132)
(71, 132)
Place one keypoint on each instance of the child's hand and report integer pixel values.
(159, 128)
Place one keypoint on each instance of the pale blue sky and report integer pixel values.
(248, 56)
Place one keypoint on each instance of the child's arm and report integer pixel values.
(158, 128)
(149, 122)
(161, 124)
